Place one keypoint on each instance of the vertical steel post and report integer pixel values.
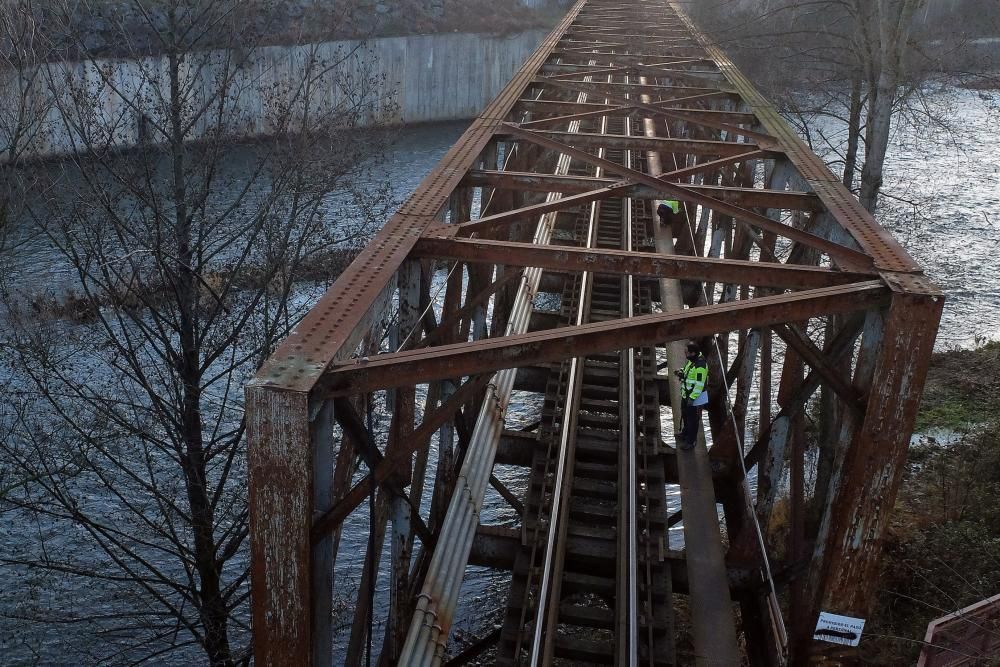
(408, 333)
(864, 490)
(281, 498)
(322, 549)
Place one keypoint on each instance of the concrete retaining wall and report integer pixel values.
(58, 108)
(448, 77)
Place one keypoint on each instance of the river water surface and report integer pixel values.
(942, 202)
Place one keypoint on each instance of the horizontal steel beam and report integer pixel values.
(676, 93)
(847, 257)
(496, 547)
(752, 197)
(648, 264)
(563, 107)
(569, 58)
(577, 48)
(485, 356)
(685, 146)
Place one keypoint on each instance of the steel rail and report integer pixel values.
(628, 420)
(647, 128)
(543, 643)
(428, 634)
(564, 168)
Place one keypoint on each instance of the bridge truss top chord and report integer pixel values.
(802, 302)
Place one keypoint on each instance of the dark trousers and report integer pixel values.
(690, 421)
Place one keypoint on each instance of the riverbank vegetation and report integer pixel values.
(942, 550)
(858, 63)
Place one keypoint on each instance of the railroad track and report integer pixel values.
(590, 583)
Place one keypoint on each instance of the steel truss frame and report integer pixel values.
(792, 253)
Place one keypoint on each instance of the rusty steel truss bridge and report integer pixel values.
(531, 262)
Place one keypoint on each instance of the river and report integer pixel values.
(942, 202)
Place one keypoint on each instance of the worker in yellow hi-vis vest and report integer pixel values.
(669, 211)
(694, 395)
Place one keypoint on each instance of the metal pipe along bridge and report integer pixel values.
(530, 266)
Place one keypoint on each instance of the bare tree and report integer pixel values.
(20, 44)
(23, 106)
(860, 62)
(191, 257)
(884, 26)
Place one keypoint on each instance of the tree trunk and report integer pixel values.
(893, 20)
(877, 140)
(213, 610)
(853, 131)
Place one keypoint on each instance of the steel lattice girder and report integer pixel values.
(493, 354)
(289, 428)
(646, 264)
(746, 197)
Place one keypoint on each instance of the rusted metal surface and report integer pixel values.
(847, 257)
(688, 146)
(969, 636)
(623, 104)
(805, 348)
(280, 464)
(560, 108)
(869, 481)
(644, 264)
(393, 370)
(530, 182)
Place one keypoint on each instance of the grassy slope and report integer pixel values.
(963, 388)
(943, 547)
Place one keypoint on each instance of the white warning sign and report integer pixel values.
(839, 629)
